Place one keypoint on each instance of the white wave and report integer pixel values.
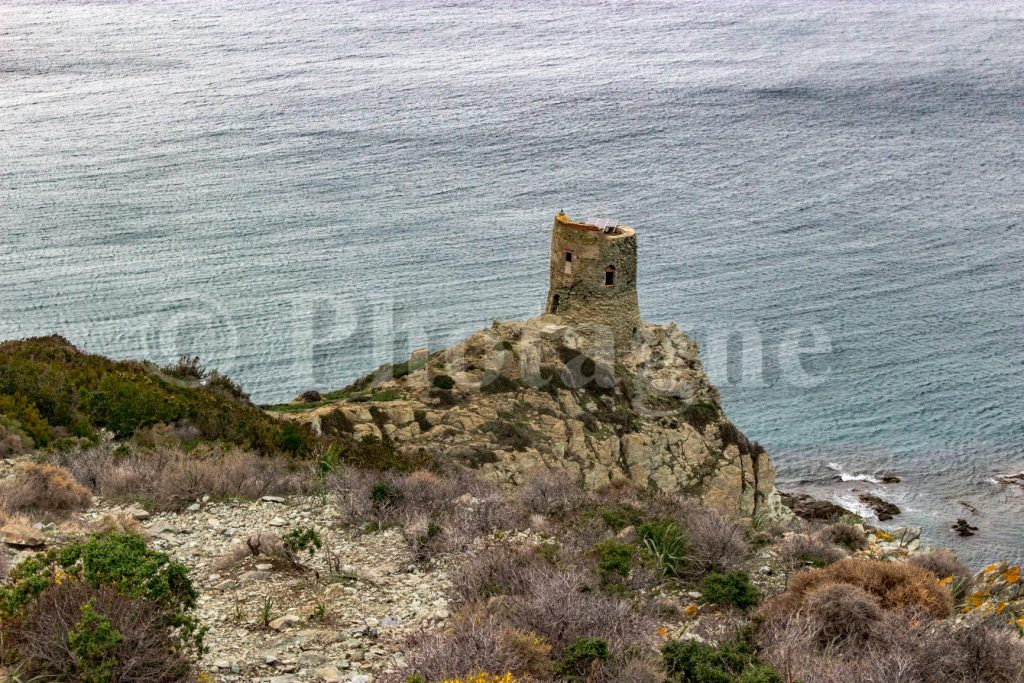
(855, 506)
(846, 476)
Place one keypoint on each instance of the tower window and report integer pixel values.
(609, 276)
(554, 303)
(568, 257)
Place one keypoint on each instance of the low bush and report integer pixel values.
(733, 589)
(83, 634)
(13, 440)
(614, 559)
(716, 543)
(478, 641)
(667, 543)
(166, 476)
(908, 648)
(845, 535)
(262, 543)
(502, 570)
(551, 492)
(803, 550)
(54, 390)
(582, 658)
(43, 488)
(896, 585)
(443, 382)
(300, 540)
(942, 564)
(689, 661)
(842, 616)
(103, 609)
(384, 495)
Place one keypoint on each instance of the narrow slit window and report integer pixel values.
(568, 257)
(554, 304)
(609, 276)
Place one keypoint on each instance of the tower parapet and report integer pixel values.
(593, 277)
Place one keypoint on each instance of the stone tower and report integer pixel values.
(593, 277)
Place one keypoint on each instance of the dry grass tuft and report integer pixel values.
(167, 477)
(941, 564)
(896, 585)
(803, 550)
(909, 648)
(43, 488)
(841, 615)
(845, 535)
(717, 544)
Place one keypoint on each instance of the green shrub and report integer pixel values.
(664, 540)
(700, 415)
(688, 661)
(579, 656)
(92, 642)
(614, 559)
(82, 602)
(444, 382)
(299, 540)
(733, 588)
(383, 495)
(421, 420)
(50, 388)
(119, 560)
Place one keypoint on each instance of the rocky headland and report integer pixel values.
(527, 505)
(540, 394)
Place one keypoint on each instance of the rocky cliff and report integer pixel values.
(523, 395)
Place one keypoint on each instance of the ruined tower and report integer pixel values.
(593, 277)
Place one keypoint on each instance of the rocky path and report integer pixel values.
(323, 625)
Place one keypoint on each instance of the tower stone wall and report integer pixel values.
(593, 277)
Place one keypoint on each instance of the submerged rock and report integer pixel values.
(810, 508)
(962, 528)
(883, 509)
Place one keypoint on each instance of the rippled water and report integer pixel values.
(300, 191)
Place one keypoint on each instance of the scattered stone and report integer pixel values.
(285, 622)
(329, 674)
(255, 576)
(22, 536)
(278, 522)
(228, 585)
(273, 499)
(311, 659)
(194, 507)
(138, 514)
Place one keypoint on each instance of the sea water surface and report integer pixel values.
(828, 196)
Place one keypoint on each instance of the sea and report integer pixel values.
(827, 196)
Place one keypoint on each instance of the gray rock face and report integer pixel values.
(544, 394)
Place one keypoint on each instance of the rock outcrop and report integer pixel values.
(522, 395)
